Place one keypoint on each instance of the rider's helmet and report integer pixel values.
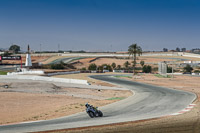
(86, 105)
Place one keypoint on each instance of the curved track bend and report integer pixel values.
(147, 102)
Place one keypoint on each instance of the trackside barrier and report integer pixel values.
(195, 73)
(25, 72)
(174, 73)
(63, 73)
(40, 78)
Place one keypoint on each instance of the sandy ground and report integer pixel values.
(30, 101)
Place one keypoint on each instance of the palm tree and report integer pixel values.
(133, 50)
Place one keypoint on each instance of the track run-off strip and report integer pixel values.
(189, 108)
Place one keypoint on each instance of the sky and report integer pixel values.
(100, 25)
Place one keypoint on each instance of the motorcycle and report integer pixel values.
(93, 112)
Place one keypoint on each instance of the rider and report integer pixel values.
(89, 106)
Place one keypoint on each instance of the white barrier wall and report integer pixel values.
(26, 72)
(63, 80)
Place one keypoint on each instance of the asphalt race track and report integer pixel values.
(147, 102)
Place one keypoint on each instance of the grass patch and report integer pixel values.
(35, 117)
(3, 73)
(162, 76)
(119, 76)
(116, 98)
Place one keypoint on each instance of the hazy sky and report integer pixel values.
(96, 25)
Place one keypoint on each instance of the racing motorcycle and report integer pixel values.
(93, 111)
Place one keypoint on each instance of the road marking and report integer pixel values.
(189, 108)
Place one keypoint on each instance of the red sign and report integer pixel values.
(0, 57)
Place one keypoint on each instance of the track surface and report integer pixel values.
(147, 102)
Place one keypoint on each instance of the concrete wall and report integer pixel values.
(28, 77)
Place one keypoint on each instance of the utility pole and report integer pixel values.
(172, 70)
(58, 47)
(40, 49)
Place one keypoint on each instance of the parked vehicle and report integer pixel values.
(93, 111)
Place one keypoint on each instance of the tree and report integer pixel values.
(146, 69)
(133, 50)
(142, 63)
(165, 50)
(105, 67)
(113, 65)
(188, 68)
(178, 49)
(126, 64)
(92, 67)
(15, 48)
(183, 49)
(118, 67)
(169, 69)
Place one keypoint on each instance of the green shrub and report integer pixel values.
(188, 68)
(83, 69)
(92, 67)
(146, 69)
(116, 98)
(169, 69)
(162, 76)
(105, 67)
(57, 66)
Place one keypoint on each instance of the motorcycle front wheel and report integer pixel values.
(91, 114)
(100, 113)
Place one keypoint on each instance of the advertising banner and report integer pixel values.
(10, 57)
